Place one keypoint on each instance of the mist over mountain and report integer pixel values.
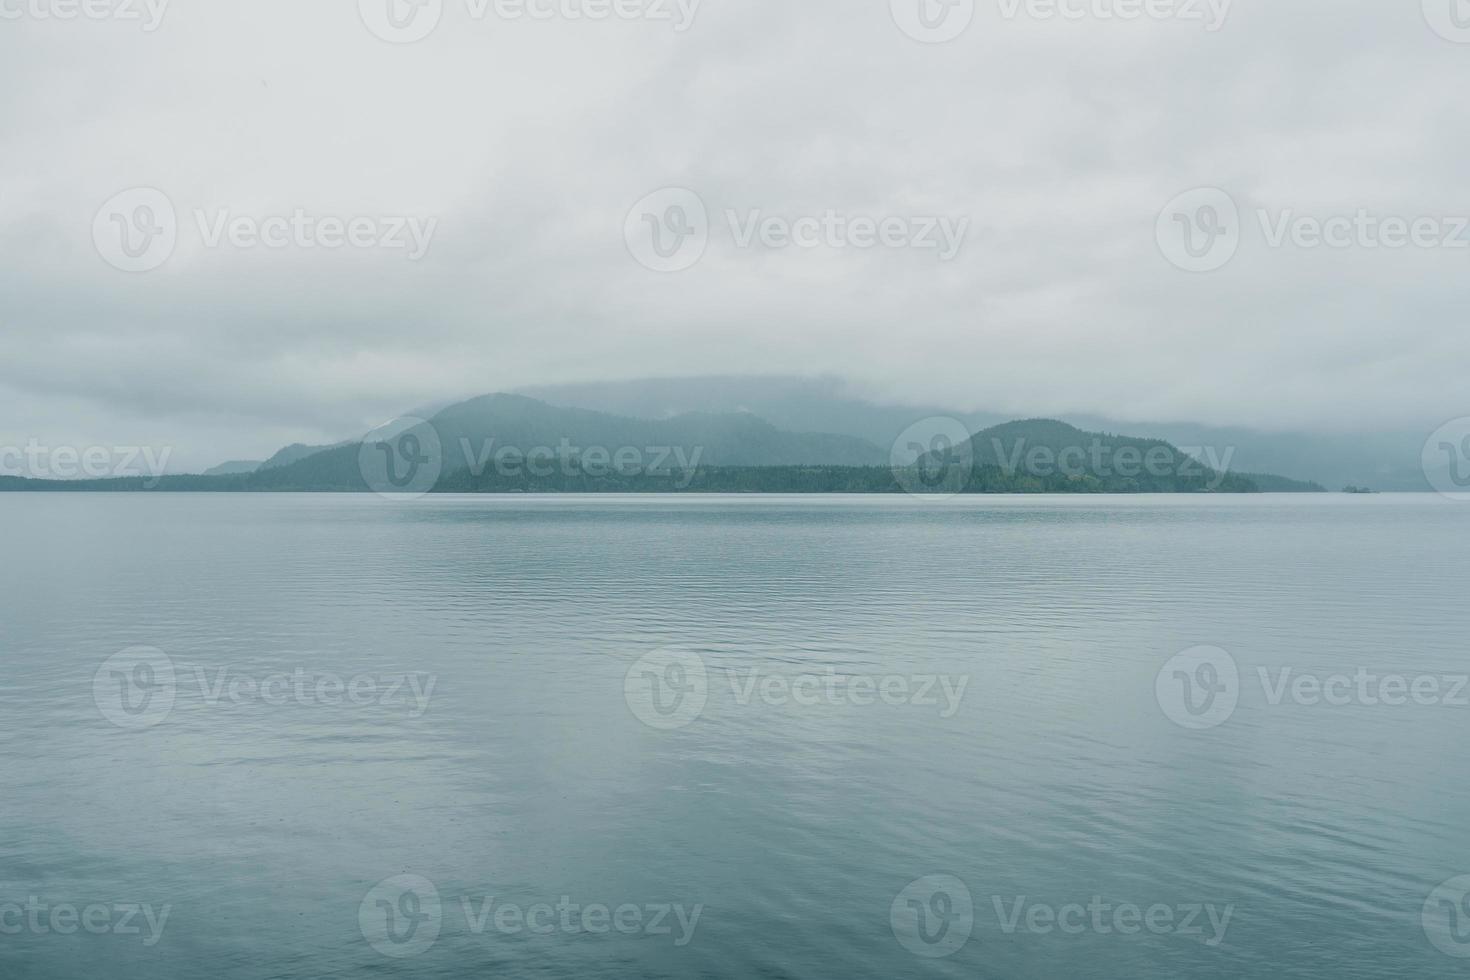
(1383, 461)
(496, 430)
(235, 467)
(758, 420)
(513, 443)
(817, 404)
(296, 452)
(723, 439)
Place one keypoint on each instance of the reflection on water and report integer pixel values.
(1008, 737)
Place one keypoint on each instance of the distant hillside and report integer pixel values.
(798, 404)
(1048, 456)
(295, 453)
(1383, 461)
(299, 451)
(491, 437)
(234, 468)
(511, 443)
(1270, 483)
(727, 439)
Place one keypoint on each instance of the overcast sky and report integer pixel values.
(1045, 148)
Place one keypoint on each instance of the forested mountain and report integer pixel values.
(1048, 456)
(1384, 461)
(511, 443)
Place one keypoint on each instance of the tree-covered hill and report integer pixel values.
(510, 443)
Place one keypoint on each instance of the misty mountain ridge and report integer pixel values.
(1383, 461)
(473, 434)
(828, 404)
(506, 442)
(726, 439)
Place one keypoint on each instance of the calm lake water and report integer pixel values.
(334, 736)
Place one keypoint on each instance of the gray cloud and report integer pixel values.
(1059, 140)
